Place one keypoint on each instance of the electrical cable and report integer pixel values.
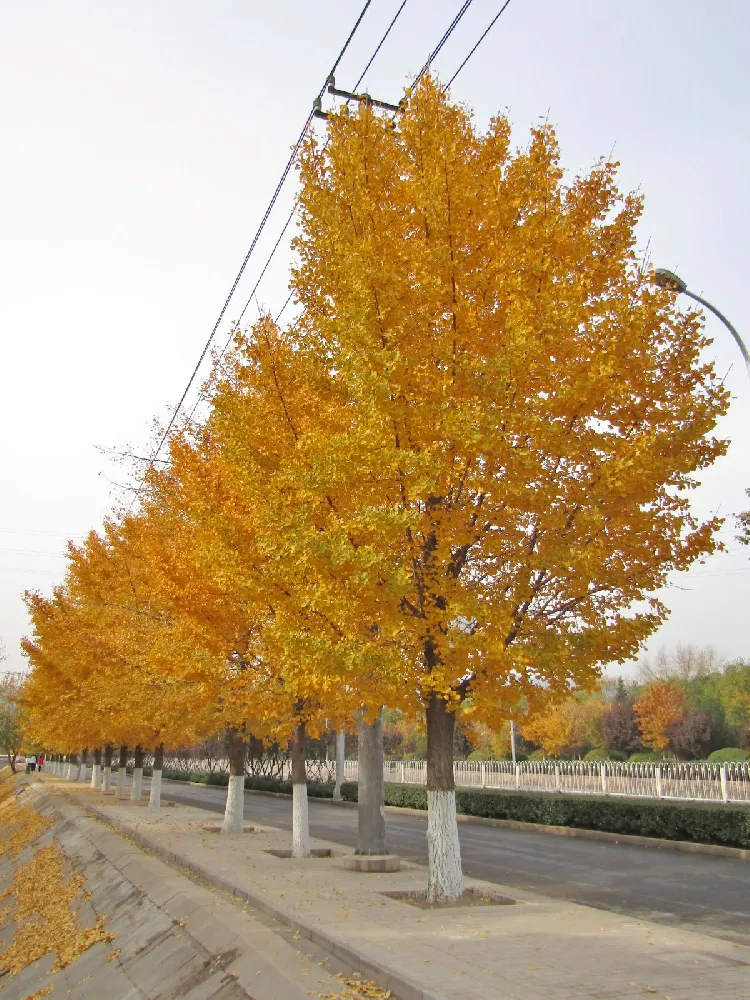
(270, 257)
(362, 75)
(280, 312)
(433, 55)
(449, 31)
(380, 45)
(268, 211)
(482, 37)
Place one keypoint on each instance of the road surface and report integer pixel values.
(709, 893)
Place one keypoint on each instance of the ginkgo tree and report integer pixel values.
(232, 489)
(115, 663)
(452, 486)
(512, 418)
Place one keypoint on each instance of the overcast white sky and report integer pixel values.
(141, 144)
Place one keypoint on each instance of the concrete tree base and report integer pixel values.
(372, 862)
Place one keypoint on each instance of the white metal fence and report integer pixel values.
(699, 782)
(688, 781)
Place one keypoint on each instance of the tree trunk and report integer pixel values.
(82, 762)
(122, 764)
(300, 824)
(107, 770)
(340, 762)
(445, 880)
(371, 800)
(137, 786)
(72, 767)
(234, 810)
(154, 799)
(96, 770)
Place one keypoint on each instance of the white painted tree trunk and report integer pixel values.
(137, 786)
(106, 779)
(96, 776)
(69, 775)
(154, 799)
(81, 772)
(445, 880)
(120, 785)
(300, 824)
(340, 761)
(234, 809)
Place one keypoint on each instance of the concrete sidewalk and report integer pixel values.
(172, 937)
(537, 948)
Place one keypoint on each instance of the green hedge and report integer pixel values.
(703, 823)
(315, 789)
(728, 755)
(602, 754)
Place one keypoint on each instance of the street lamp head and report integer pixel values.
(668, 279)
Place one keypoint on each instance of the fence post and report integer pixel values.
(403, 773)
(724, 789)
(483, 774)
(518, 775)
(558, 786)
(658, 782)
(603, 772)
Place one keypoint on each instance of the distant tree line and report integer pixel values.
(686, 704)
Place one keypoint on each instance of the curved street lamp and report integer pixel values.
(667, 279)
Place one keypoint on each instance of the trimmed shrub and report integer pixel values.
(703, 823)
(645, 757)
(480, 755)
(601, 753)
(537, 755)
(176, 775)
(728, 755)
(315, 789)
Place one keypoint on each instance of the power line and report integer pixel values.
(280, 312)
(291, 215)
(27, 570)
(371, 60)
(32, 552)
(482, 37)
(449, 31)
(362, 75)
(260, 229)
(37, 531)
(433, 55)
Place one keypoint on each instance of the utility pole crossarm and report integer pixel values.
(347, 95)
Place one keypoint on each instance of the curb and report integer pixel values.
(406, 989)
(629, 839)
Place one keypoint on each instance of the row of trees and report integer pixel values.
(451, 486)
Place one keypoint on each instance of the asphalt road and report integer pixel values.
(712, 894)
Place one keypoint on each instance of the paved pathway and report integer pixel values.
(711, 893)
(173, 937)
(537, 948)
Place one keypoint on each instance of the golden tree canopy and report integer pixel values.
(510, 414)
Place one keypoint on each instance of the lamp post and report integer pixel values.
(667, 279)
